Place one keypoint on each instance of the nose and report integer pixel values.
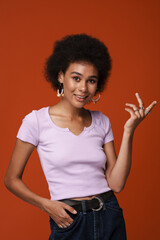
(82, 86)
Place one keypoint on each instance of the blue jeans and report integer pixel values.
(106, 224)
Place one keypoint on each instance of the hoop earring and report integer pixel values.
(96, 100)
(59, 94)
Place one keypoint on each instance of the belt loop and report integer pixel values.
(84, 206)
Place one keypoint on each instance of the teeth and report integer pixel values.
(80, 96)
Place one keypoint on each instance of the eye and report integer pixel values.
(92, 80)
(76, 78)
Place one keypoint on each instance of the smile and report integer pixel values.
(80, 98)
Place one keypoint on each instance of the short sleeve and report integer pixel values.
(28, 131)
(107, 129)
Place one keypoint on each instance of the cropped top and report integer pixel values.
(74, 166)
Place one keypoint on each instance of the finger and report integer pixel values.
(67, 223)
(134, 108)
(141, 104)
(70, 209)
(67, 217)
(130, 111)
(64, 224)
(60, 225)
(150, 107)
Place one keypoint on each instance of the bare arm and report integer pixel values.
(13, 178)
(117, 169)
(13, 182)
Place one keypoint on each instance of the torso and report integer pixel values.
(75, 126)
(85, 198)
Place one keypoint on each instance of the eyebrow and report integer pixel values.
(93, 76)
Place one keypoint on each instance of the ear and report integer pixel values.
(96, 91)
(61, 77)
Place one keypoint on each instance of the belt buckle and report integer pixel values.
(100, 203)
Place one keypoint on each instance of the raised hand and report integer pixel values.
(137, 114)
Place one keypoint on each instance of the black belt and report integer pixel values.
(95, 203)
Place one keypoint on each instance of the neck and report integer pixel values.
(69, 110)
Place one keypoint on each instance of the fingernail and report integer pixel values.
(74, 211)
(136, 93)
(155, 102)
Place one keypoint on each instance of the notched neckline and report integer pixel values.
(67, 129)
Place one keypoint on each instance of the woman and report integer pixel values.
(76, 146)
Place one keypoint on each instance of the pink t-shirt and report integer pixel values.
(73, 165)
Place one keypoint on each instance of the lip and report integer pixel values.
(80, 95)
(80, 99)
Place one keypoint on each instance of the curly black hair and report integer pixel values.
(78, 48)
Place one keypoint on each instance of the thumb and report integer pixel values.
(70, 209)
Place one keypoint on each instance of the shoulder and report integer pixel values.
(35, 114)
(100, 118)
(30, 127)
(35, 118)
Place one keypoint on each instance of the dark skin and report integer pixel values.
(70, 112)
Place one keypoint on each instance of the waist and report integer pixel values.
(85, 198)
(71, 201)
(76, 190)
(96, 203)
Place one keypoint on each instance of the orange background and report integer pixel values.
(130, 29)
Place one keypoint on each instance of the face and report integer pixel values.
(79, 83)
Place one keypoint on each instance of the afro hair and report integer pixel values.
(78, 48)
